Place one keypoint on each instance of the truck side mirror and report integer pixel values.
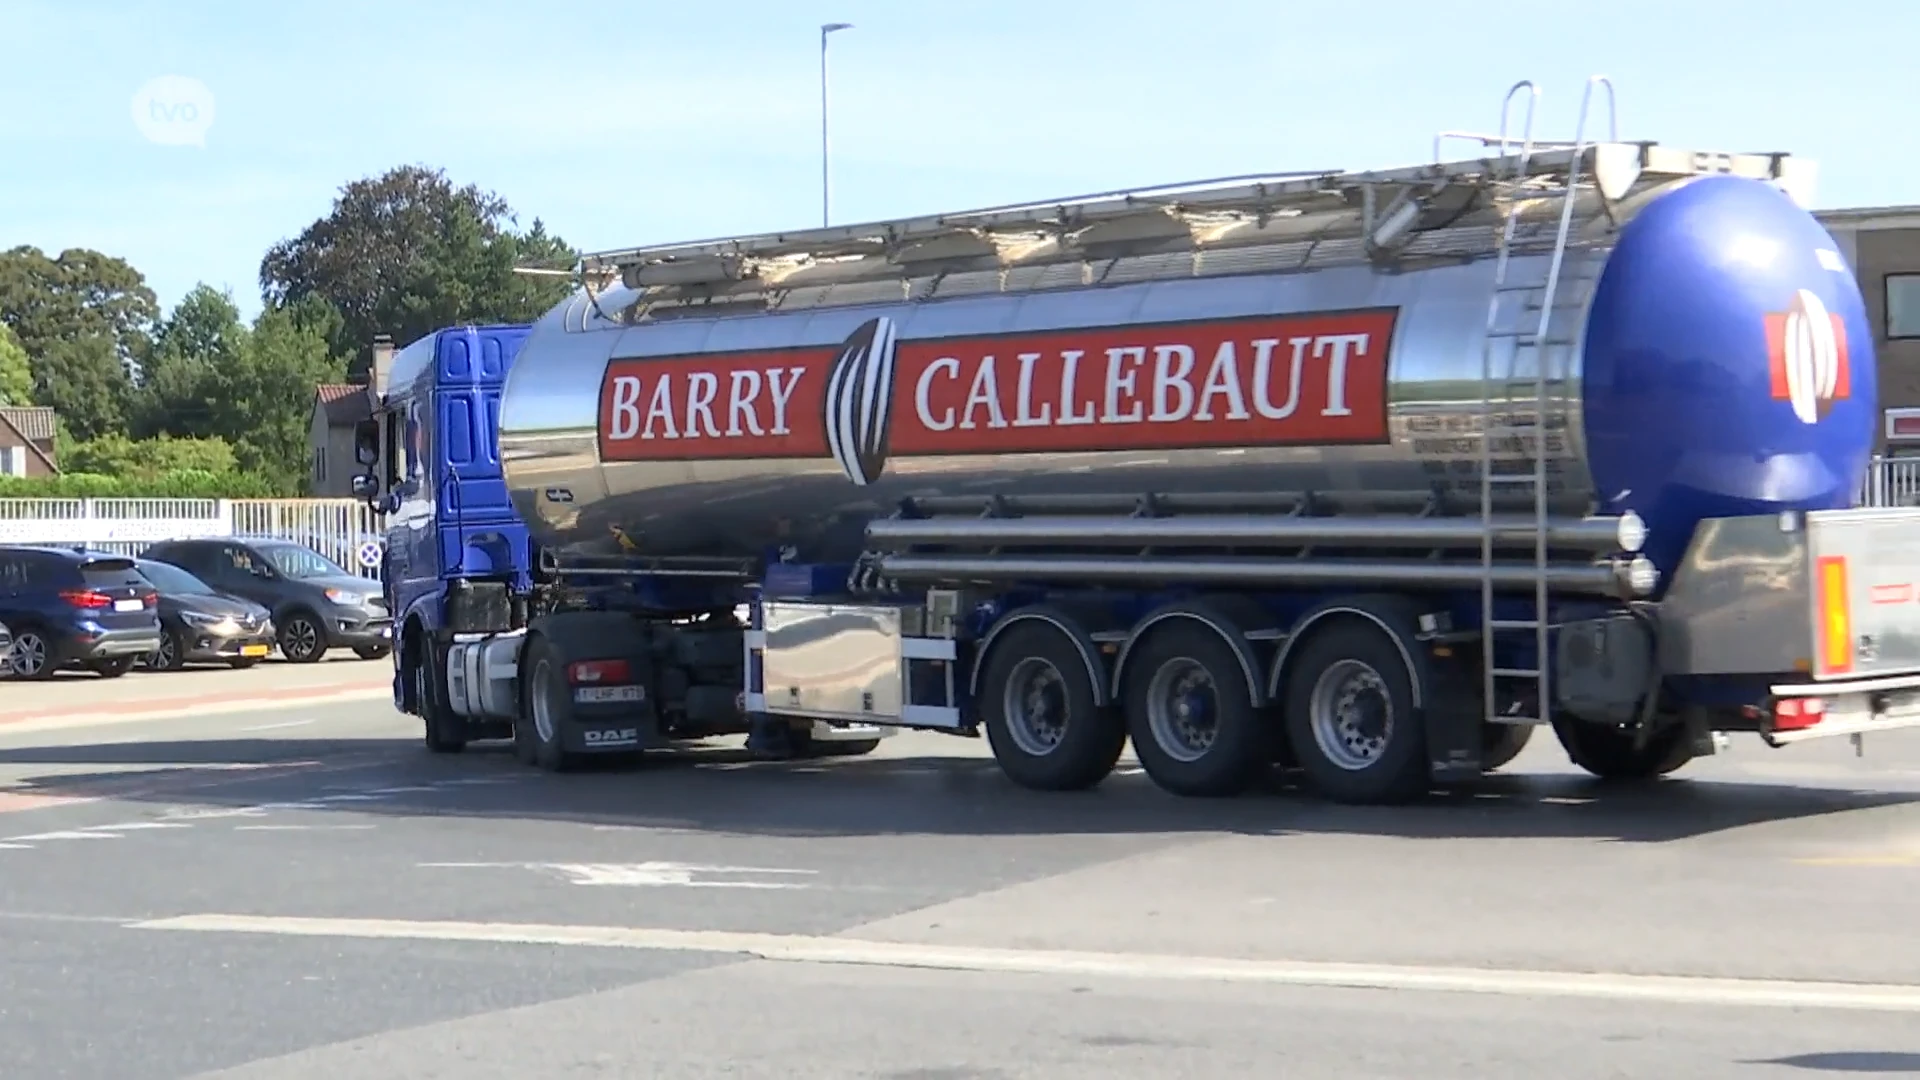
(366, 487)
(366, 442)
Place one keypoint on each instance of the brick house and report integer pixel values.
(27, 441)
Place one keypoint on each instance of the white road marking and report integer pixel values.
(642, 874)
(278, 726)
(300, 828)
(66, 834)
(810, 949)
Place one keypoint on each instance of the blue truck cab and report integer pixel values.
(457, 555)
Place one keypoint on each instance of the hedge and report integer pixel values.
(183, 484)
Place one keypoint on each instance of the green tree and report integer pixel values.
(85, 382)
(202, 336)
(406, 253)
(85, 319)
(263, 402)
(16, 371)
(81, 293)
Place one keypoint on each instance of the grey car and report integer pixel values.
(316, 604)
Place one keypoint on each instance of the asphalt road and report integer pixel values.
(304, 892)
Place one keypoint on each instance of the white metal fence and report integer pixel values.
(1892, 481)
(344, 530)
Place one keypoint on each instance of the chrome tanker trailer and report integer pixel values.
(1368, 474)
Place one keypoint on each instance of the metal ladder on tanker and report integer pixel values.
(1549, 343)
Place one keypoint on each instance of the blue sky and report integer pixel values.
(658, 120)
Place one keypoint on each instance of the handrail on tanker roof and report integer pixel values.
(1272, 194)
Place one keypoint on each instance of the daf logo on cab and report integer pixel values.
(1296, 380)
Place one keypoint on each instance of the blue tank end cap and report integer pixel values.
(1728, 364)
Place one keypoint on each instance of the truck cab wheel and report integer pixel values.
(443, 731)
(1350, 715)
(1609, 753)
(1190, 713)
(1501, 743)
(546, 708)
(1037, 701)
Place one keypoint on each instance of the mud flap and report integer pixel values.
(1451, 716)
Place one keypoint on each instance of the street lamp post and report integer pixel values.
(825, 204)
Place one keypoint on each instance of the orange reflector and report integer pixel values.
(1836, 633)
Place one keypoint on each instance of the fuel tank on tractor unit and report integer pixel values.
(1709, 355)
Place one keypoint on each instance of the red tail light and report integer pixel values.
(1795, 714)
(86, 598)
(151, 599)
(598, 671)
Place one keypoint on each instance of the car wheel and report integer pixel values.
(171, 655)
(302, 641)
(32, 656)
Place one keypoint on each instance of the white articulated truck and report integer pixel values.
(1368, 474)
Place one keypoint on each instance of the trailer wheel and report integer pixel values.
(1350, 716)
(1037, 702)
(1501, 743)
(546, 708)
(1191, 715)
(1609, 753)
(443, 730)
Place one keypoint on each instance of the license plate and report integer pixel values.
(253, 650)
(128, 605)
(600, 695)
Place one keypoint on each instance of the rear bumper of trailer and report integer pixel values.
(1801, 711)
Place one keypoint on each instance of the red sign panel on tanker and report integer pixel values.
(1296, 380)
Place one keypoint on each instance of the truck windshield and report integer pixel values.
(299, 562)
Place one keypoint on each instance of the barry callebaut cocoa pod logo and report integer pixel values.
(859, 405)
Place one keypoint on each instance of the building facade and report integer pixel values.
(1882, 244)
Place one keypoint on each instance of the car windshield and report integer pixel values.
(171, 579)
(301, 562)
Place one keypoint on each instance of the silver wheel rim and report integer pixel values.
(303, 636)
(1035, 705)
(29, 654)
(542, 711)
(1352, 716)
(1183, 709)
(163, 656)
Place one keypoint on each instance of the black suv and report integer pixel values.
(316, 604)
(67, 606)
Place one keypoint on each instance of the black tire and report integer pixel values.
(303, 638)
(1501, 743)
(1073, 754)
(441, 730)
(242, 663)
(1609, 753)
(544, 692)
(114, 668)
(32, 644)
(371, 652)
(1396, 770)
(171, 655)
(1192, 661)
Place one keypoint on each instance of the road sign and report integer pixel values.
(369, 553)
